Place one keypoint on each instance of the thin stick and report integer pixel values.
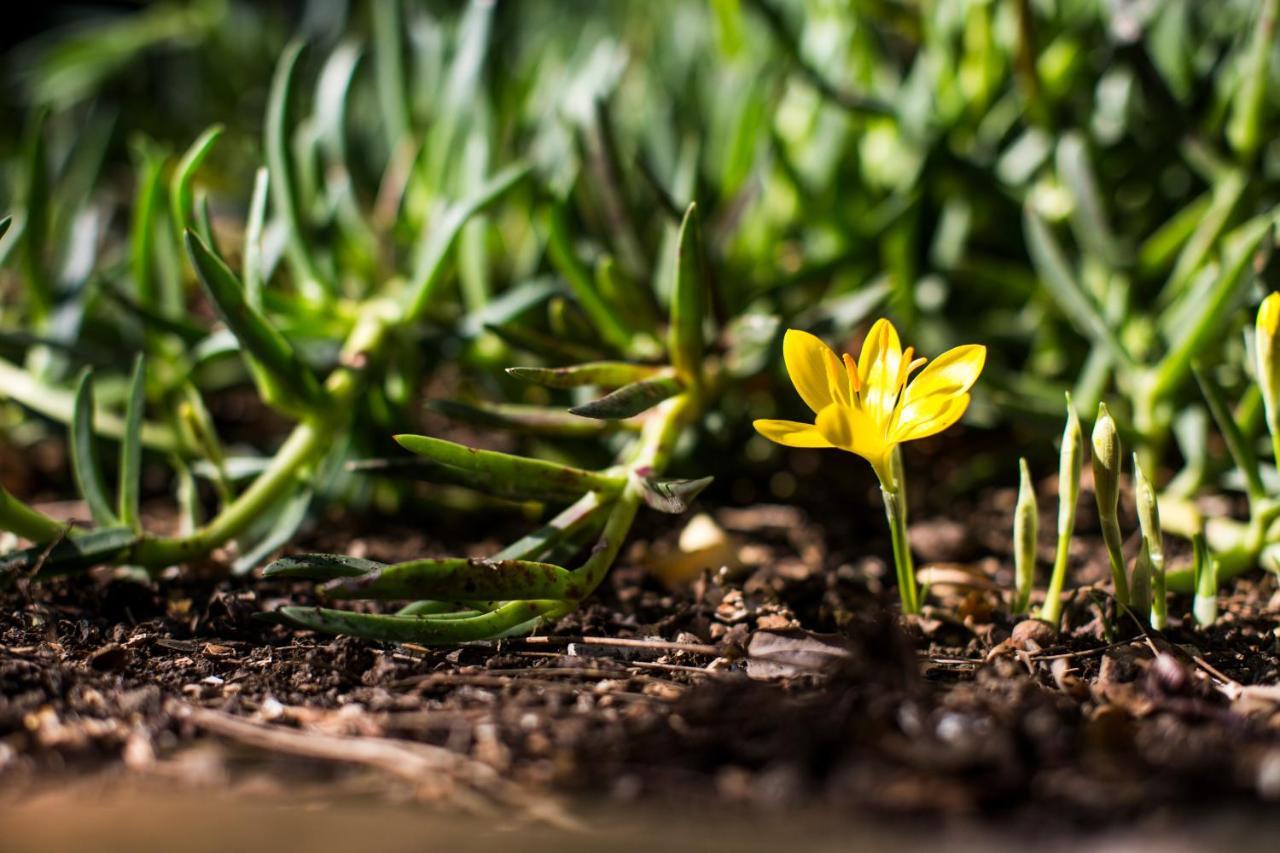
(618, 642)
(469, 783)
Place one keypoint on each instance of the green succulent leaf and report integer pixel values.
(673, 496)
(524, 419)
(459, 579)
(490, 470)
(321, 567)
(442, 629)
(27, 522)
(630, 400)
(68, 555)
(607, 374)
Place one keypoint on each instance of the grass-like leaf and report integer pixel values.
(142, 228)
(1241, 453)
(180, 203)
(688, 300)
(36, 223)
(59, 404)
(84, 456)
(613, 330)
(1214, 311)
(1067, 292)
(254, 274)
(1088, 215)
(294, 380)
(284, 192)
(131, 446)
(428, 273)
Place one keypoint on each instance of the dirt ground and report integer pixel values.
(778, 685)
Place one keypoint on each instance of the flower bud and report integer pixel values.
(1070, 461)
(1106, 488)
(1025, 529)
(1106, 462)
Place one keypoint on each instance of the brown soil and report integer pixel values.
(782, 682)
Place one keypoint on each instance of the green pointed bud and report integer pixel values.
(1106, 488)
(1152, 544)
(1070, 462)
(1025, 529)
(1204, 607)
(1106, 461)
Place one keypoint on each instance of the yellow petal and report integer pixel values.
(932, 417)
(791, 433)
(853, 430)
(949, 375)
(807, 359)
(837, 379)
(879, 370)
(1269, 315)
(851, 368)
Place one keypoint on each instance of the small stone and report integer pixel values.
(1033, 631)
(1170, 675)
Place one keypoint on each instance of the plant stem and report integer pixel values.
(896, 513)
(1052, 610)
(27, 522)
(1111, 538)
(310, 439)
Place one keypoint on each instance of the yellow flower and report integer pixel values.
(1268, 355)
(871, 406)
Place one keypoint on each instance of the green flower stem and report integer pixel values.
(309, 441)
(895, 511)
(1070, 460)
(1112, 539)
(1052, 610)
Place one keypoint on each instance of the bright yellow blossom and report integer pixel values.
(870, 406)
